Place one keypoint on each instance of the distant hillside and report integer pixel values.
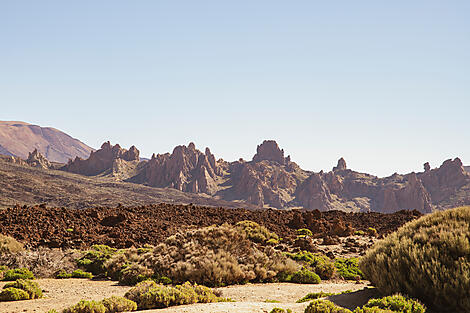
(20, 138)
(23, 184)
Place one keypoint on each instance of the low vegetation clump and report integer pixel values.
(302, 232)
(75, 274)
(17, 273)
(427, 259)
(149, 295)
(304, 276)
(348, 268)
(396, 303)
(314, 295)
(318, 263)
(9, 245)
(279, 310)
(324, 306)
(217, 256)
(30, 287)
(118, 304)
(94, 259)
(86, 307)
(372, 231)
(256, 232)
(13, 294)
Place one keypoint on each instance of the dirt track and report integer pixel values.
(249, 298)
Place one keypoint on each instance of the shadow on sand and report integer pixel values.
(355, 299)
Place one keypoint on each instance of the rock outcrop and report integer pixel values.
(102, 160)
(341, 165)
(270, 151)
(36, 159)
(186, 169)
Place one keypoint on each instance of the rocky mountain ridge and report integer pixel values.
(272, 180)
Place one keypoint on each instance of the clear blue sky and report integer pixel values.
(385, 84)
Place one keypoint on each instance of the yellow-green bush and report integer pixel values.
(118, 304)
(94, 259)
(86, 307)
(314, 296)
(304, 232)
(31, 287)
(319, 263)
(149, 295)
(256, 232)
(13, 294)
(427, 259)
(279, 310)
(81, 274)
(324, 306)
(348, 268)
(17, 273)
(304, 276)
(9, 244)
(134, 274)
(396, 303)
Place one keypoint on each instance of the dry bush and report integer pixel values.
(256, 232)
(43, 262)
(120, 261)
(216, 256)
(118, 304)
(9, 245)
(427, 259)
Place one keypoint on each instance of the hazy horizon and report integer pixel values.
(384, 85)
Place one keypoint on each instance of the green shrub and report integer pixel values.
(279, 310)
(31, 287)
(17, 273)
(304, 232)
(86, 307)
(397, 303)
(52, 311)
(256, 232)
(427, 259)
(149, 295)
(320, 264)
(62, 274)
(305, 276)
(324, 306)
(359, 233)
(118, 304)
(94, 259)
(314, 296)
(13, 294)
(81, 274)
(348, 269)
(372, 310)
(9, 245)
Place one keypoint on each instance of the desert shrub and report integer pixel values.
(359, 233)
(121, 260)
(52, 311)
(31, 287)
(81, 274)
(149, 295)
(372, 231)
(62, 274)
(427, 259)
(94, 259)
(9, 245)
(215, 256)
(13, 294)
(324, 306)
(320, 264)
(43, 262)
(304, 276)
(372, 310)
(279, 310)
(118, 304)
(348, 268)
(135, 274)
(256, 232)
(397, 303)
(17, 273)
(314, 296)
(86, 307)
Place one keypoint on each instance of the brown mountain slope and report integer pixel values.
(273, 180)
(24, 184)
(20, 138)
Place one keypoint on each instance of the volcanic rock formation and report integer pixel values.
(36, 159)
(102, 160)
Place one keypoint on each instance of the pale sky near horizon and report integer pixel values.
(384, 84)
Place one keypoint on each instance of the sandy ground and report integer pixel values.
(249, 298)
